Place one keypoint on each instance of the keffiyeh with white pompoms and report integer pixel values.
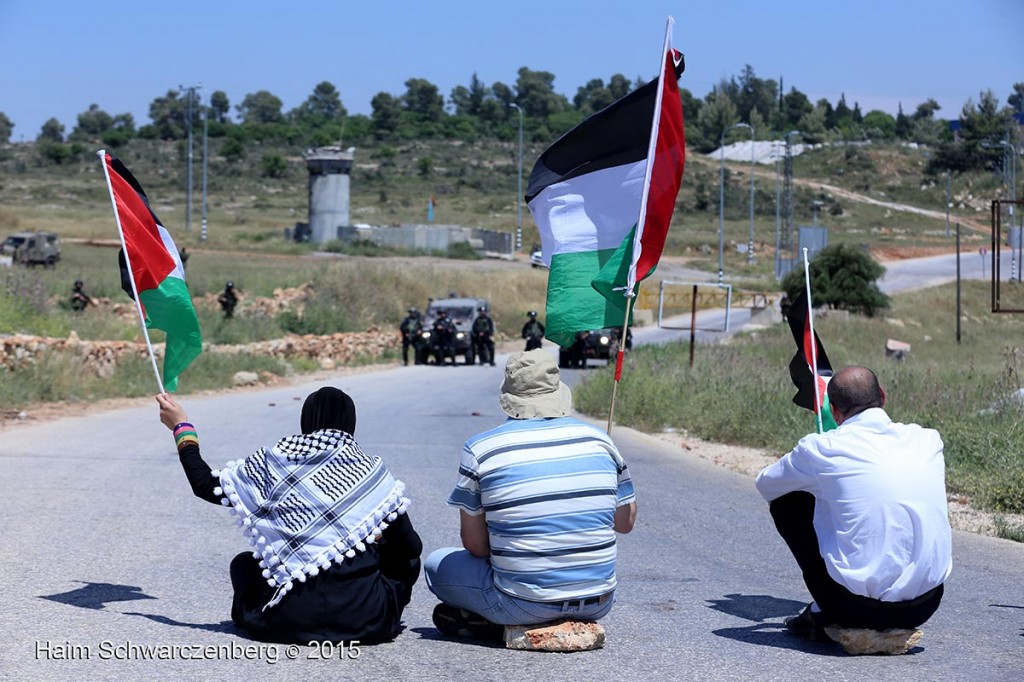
(309, 501)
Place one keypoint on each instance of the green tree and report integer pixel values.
(535, 93)
(1016, 100)
(6, 128)
(755, 94)
(842, 277)
(274, 166)
(424, 166)
(469, 101)
(982, 127)
(232, 150)
(423, 100)
(925, 128)
(716, 114)
(260, 107)
(322, 107)
(592, 97)
(878, 124)
(220, 106)
(51, 131)
(812, 124)
(904, 125)
(926, 110)
(168, 115)
(92, 123)
(794, 106)
(386, 115)
(619, 86)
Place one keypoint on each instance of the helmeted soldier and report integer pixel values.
(533, 331)
(228, 299)
(411, 328)
(442, 338)
(79, 299)
(483, 333)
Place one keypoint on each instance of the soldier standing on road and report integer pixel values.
(79, 299)
(784, 305)
(533, 331)
(483, 341)
(443, 338)
(228, 299)
(411, 328)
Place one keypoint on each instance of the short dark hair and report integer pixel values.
(853, 390)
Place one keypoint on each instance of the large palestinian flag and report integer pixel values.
(150, 260)
(809, 349)
(602, 210)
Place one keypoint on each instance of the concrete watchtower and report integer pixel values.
(329, 169)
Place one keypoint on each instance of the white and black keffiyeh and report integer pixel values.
(309, 501)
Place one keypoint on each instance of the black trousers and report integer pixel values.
(794, 518)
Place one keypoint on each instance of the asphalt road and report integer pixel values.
(107, 552)
(111, 558)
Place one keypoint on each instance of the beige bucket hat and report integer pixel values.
(533, 388)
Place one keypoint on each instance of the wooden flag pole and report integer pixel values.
(618, 361)
(814, 344)
(131, 274)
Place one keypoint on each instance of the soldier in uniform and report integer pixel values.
(483, 343)
(228, 299)
(79, 299)
(442, 337)
(533, 331)
(411, 328)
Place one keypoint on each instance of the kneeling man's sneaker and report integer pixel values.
(808, 624)
(455, 622)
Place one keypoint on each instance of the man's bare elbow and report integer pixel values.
(625, 518)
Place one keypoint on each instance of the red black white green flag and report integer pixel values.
(151, 266)
(809, 348)
(602, 196)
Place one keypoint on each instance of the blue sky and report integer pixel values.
(61, 56)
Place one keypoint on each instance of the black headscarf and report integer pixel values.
(328, 408)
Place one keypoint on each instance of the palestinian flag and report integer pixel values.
(602, 209)
(800, 367)
(150, 260)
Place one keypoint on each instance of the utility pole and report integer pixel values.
(949, 182)
(519, 183)
(206, 136)
(188, 169)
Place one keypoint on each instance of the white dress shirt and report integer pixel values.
(880, 503)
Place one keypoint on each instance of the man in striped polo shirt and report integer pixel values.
(540, 499)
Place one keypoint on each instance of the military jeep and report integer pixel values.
(32, 248)
(462, 312)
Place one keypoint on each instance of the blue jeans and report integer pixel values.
(460, 579)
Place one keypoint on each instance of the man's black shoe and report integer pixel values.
(455, 622)
(809, 625)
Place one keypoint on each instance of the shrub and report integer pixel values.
(842, 277)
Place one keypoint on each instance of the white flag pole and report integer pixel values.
(131, 274)
(652, 147)
(629, 289)
(814, 343)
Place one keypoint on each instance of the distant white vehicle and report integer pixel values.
(537, 259)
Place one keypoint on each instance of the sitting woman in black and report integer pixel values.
(335, 555)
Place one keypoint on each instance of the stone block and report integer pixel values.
(564, 636)
(858, 642)
(897, 350)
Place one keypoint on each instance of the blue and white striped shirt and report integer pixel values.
(549, 488)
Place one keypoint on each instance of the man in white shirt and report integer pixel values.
(863, 509)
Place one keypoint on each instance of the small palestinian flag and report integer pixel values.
(156, 271)
(800, 367)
